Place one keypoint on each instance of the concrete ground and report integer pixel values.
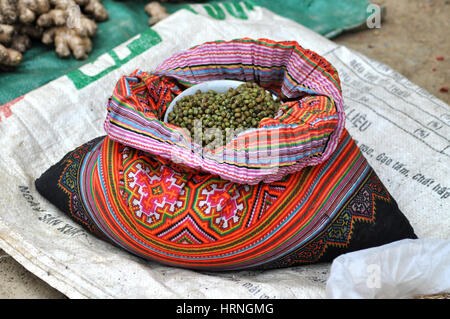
(411, 40)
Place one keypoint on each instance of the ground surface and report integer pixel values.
(411, 38)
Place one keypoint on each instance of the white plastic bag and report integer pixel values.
(403, 269)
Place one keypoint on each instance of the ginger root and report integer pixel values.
(67, 12)
(29, 9)
(67, 41)
(6, 33)
(95, 9)
(9, 57)
(21, 43)
(55, 17)
(156, 12)
(8, 12)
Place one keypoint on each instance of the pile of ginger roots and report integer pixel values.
(68, 25)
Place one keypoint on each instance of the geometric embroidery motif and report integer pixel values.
(69, 184)
(221, 203)
(361, 208)
(154, 195)
(207, 206)
(362, 204)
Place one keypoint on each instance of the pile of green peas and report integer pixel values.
(237, 109)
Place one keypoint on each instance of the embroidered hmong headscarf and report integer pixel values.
(295, 190)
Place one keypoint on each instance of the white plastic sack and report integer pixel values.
(401, 129)
(402, 269)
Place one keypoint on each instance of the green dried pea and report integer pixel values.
(240, 108)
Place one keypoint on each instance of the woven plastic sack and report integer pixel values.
(317, 198)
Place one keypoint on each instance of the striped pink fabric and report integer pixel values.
(305, 133)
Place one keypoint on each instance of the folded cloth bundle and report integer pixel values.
(295, 190)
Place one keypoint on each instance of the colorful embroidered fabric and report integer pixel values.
(305, 132)
(126, 190)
